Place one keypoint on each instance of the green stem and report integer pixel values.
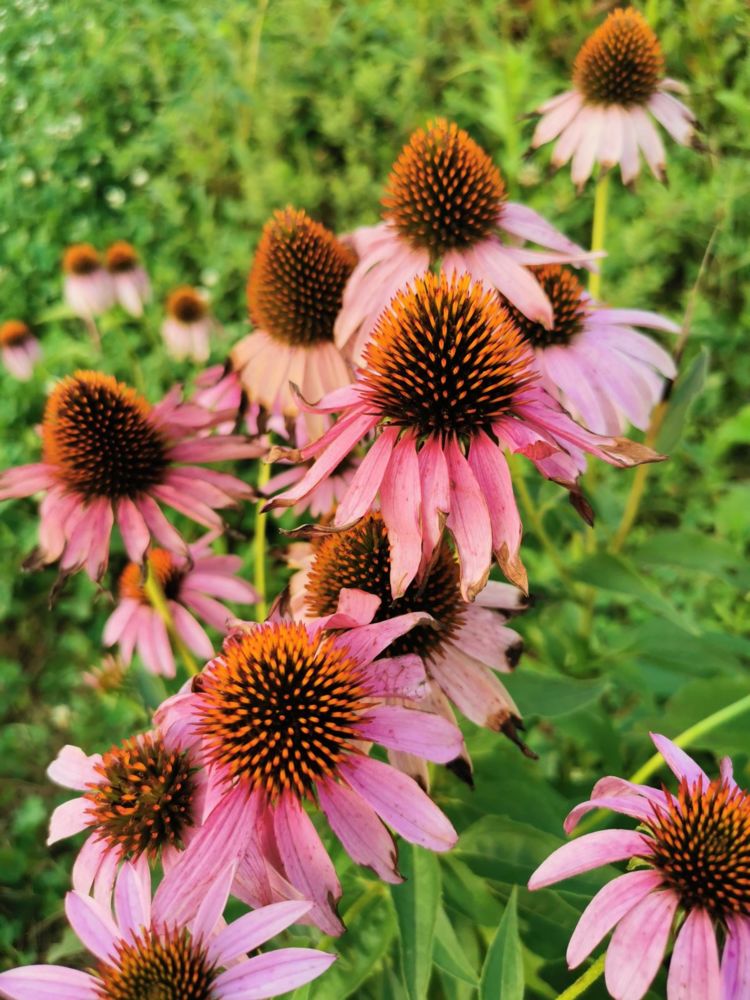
(535, 519)
(598, 229)
(259, 544)
(583, 982)
(155, 594)
(685, 739)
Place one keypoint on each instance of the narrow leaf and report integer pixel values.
(502, 974)
(448, 953)
(416, 901)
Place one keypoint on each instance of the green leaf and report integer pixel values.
(549, 695)
(686, 390)
(417, 900)
(448, 953)
(502, 974)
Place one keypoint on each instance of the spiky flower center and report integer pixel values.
(444, 192)
(186, 305)
(279, 708)
(158, 966)
(360, 558)
(97, 431)
(144, 801)
(296, 284)
(565, 293)
(445, 358)
(701, 844)
(167, 570)
(121, 258)
(81, 258)
(621, 63)
(13, 333)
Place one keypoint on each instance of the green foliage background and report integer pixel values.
(180, 127)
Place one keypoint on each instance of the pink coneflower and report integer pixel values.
(285, 714)
(448, 382)
(190, 583)
(446, 202)
(463, 646)
(602, 370)
(108, 455)
(142, 800)
(87, 285)
(19, 349)
(219, 390)
(188, 324)
(131, 285)
(693, 853)
(618, 78)
(322, 501)
(294, 293)
(144, 952)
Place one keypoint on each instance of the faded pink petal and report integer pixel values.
(694, 965)
(735, 962)
(68, 819)
(420, 733)
(48, 982)
(400, 498)
(271, 974)
(680, 763)
(254, 929)
(72, 768)
(468, 522)
(93, 925)
(360, 831)
(587, 852)
(638, 944)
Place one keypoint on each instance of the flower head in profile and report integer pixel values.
(141, 801)
(294, 293)
(446, 204)
(109, 456)
(689, 875)
(129, 278)
(193, 585)
(592, 359)
(285, 715)
(618, 86)
(448, 383)
(462, 647)
(141, 951)
(19, 349)
(87, 285)
(187, 327)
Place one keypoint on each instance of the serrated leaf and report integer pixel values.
(417, 900)
(502, 973)
(448, 953)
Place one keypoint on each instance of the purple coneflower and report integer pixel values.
(129, 278)
(19, 349)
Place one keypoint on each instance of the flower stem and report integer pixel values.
(635, 496)
(261, 606)
(155, 594)
(583, 982)
(599, 228)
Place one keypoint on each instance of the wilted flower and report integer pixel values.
(448, 382)
(190, 583)
(462, 647)
(19, 349)
(691, 860)
(285, 714)
(294, 294)
(145, 952)
(188, 324)
(592, 359)
(108, 455)
(446, 203)
(618, 78)
(129, 278)
(87, 285)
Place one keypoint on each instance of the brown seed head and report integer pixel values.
(121, 257)
(13, 333)
(186, 305)
(170, 965)
(621, 63)
(81, 258)
(169, 573)
(565, 293)
(444, 192)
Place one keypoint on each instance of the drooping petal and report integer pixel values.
(93, 925)
(400, 501)
(271, 974)
(361, 491)
(436, 502)
(735, 962)
(254, 929)
(133, 528)
(360, 831)
(48, 982)
(214, 902)
(367, 641)
(133, 900)
(637, 946)
(468, 522)
(587, 852)
(420, 733)
(694, 965)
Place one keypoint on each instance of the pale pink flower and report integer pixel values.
(448, 383)
(618, 79)
(601, 369)
(191, 584)
(446, 203)
(690, 859)
(188, 325)
(142, 950)
(286, 713)
(19, 349)
(322, 501)
(219, 390)
(141, 801)
(87, 286)
(463, 648)
(132, 287)
(294, 293)
(108, 455)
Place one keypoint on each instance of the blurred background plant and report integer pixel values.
(180, 128)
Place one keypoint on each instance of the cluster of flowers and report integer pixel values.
(398, 363)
